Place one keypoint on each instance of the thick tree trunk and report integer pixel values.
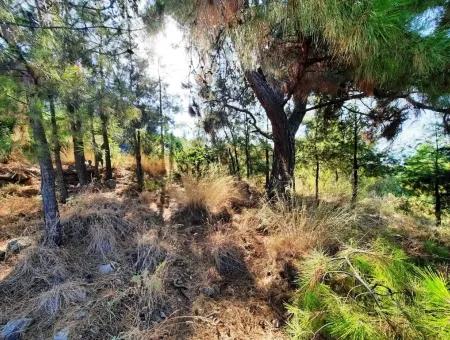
(105, 146)
(61, 186)
(283, 132)
(53, 232)
(137, 154)
(78, 145)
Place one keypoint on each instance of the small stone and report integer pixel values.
(107, 268)
(110, 184)
(209, 291)
(162, 315)
(63, 334)
(14, 246)
(14, 329)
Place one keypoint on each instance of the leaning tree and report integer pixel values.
(343, 50)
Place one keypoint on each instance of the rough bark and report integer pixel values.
(247, 149)
(97, 154)
(78, 145)
(105, 146)
(60, 185)
(282, 174)
(52, 231)
(137, 154)
(355, 161)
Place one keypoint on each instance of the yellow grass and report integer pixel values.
(211, 191)
(68, 157)
(154, 167)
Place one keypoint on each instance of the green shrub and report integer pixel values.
(369, 294)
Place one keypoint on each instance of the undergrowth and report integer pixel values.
(373, 293)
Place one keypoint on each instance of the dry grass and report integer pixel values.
(11, 206)
(68, 157)
(295, 230)
(212, 192)
(154, 167)
(58, 297)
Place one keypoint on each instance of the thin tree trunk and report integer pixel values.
(95, 148)
(317, 180)
(355, 161)
(78, 145)
(267, 170)
(52, 231)
(137, 153)
(437, 194)
(61, 186)
(105, 146)
(247, 148)
(336, 176)
(161, 117)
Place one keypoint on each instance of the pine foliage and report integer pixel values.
(374, 293)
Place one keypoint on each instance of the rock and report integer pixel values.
(63, 334)
(14, 329)
(210, 291)
(107, 268)
(2, 254)
(110, 184)
(14, 246)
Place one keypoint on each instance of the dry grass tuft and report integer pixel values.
(11, 206)
(58, 297)
(148, 254)
(68, 157)
(201, 198)
(39, 266)
(154, 167)
(294, 230)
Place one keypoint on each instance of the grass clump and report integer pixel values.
(374, 293)
(206, 196)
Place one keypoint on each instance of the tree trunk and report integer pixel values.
(137, 153)
(97, 154)
(61, 186)
(267, 169)
(281, 180)
(78, 145)
(105, 146)
(53, 231)
(336, 176)
(355, 161)
(317, 180)
(247, 149)
(437, 194)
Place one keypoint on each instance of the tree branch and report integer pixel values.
(253, 122)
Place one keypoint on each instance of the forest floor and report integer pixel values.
(145, 266)
(128, 269)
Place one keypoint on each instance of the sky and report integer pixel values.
(170, 49)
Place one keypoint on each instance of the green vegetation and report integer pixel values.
(282, 212)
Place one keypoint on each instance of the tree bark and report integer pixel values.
(61, 186)
(282, 174)
(247, 149)
(52, 231)
(97, 154)
(78, 145)
(137, 153)
(317, 180)
(437, 194)
(355, 161)
(105, 146)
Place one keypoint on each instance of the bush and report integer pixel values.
(369, 294)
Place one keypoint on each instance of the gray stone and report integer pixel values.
(14, 246)
(209, 291)
(111, 184)
(63, 334)
(106, 268)
(14, 329)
